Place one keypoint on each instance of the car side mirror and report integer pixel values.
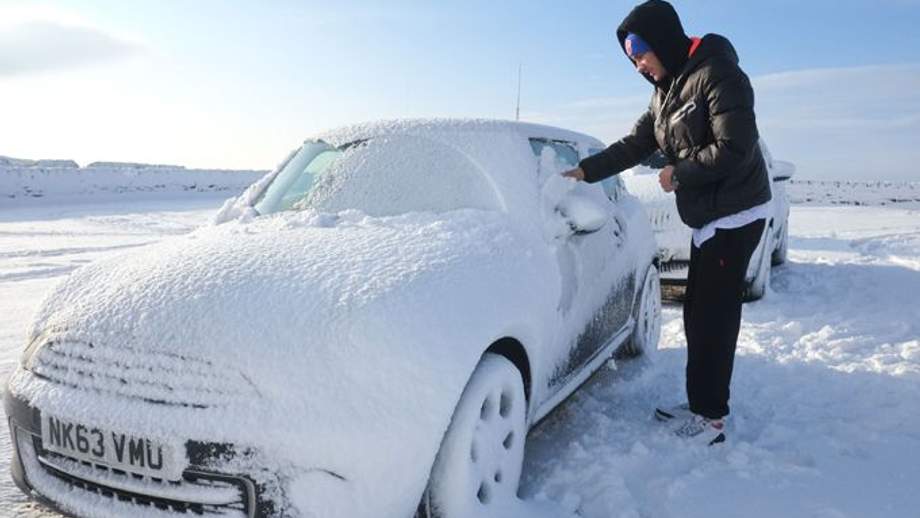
(582, 215)
(782, 171)
(572, 207)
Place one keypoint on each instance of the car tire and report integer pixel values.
(482, 454)
(782, 250)
(645, 336)
(757, 288)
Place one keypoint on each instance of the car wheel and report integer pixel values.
(645, 335)
(757, 288)
(482, 453)
(779, 255)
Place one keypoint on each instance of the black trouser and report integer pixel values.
(712, 315)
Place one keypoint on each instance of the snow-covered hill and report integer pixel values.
(22, 178)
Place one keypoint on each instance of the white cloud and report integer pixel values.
(40, 40)
(859, 122)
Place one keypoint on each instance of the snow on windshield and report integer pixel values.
(385, 176)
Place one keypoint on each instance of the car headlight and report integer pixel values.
(31, 350)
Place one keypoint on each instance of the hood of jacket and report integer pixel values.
(712, 46)
(656, 22)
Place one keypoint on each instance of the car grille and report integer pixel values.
(674, 266)
(153, 376)
(198, 493)
(674, 271)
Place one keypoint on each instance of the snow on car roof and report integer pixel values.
(452, 126)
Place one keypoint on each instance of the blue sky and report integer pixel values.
(237, 84)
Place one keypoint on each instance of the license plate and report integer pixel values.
(117, 450)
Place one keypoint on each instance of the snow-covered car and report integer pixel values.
(368, 331)
(673, 236)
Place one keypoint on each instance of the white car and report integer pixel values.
(369, 331)
(673, 236)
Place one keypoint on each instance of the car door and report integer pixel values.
(596, 294)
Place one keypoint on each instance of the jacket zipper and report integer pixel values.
(666, 123)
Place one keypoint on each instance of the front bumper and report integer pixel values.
(221, 480)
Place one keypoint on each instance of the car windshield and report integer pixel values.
(383, 176)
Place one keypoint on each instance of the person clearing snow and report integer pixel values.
(701, 117)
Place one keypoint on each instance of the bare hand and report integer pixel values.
(666, 178)
(576, 173)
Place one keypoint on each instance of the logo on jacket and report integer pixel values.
(684, 110)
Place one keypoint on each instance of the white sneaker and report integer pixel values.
(674, 413)
(702, 430)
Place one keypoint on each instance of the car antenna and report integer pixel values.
(517, 110)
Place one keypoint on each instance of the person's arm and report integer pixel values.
(623, 154)
(731, 116)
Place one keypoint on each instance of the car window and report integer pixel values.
(613, 185)
(566, 153)
(297, 177)
(384, 176)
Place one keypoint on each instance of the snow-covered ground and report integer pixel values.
(825, 393)
(905, 195)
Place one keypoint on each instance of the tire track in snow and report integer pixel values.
(56, 252)
(41, 273)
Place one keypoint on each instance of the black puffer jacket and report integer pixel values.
(701, 118)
